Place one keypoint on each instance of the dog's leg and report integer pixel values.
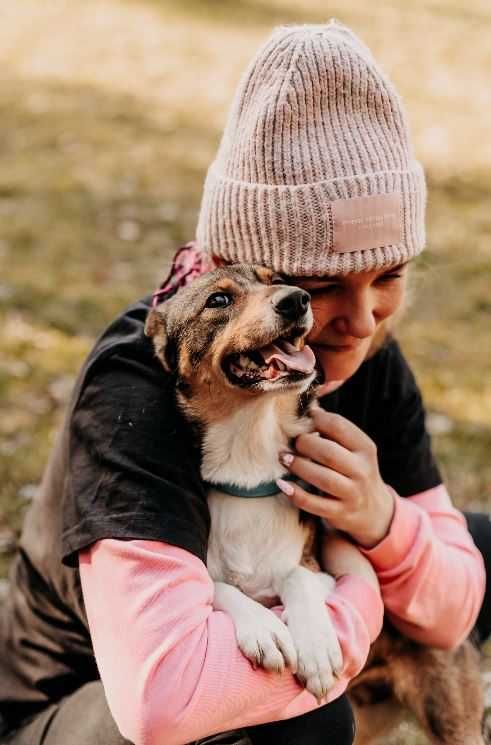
(262, 637)
(303, 594)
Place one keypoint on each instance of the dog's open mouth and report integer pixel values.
(281, 358)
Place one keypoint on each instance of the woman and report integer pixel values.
(315, 177)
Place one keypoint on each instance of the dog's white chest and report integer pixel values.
(254, 542)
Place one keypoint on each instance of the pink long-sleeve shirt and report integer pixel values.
(430, 570)
(170, 664)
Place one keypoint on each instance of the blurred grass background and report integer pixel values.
(111, 111)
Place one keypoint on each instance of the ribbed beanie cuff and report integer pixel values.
(315, 172)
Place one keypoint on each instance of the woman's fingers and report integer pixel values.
(324, 506)
(326, 479)
(341, 430)
(325, 452)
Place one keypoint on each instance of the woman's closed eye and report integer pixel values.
(329, 288)
(389, 277)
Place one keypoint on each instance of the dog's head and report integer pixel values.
(240, 328)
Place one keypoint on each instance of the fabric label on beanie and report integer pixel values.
(366, 222)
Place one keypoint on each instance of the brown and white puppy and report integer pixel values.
(235, 340)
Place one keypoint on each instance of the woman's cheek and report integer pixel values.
(322, 316)
(389, 300)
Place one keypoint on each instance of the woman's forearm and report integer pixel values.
(170, 664)
(340, 557)
(429, 570)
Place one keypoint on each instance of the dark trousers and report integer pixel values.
(84, 718)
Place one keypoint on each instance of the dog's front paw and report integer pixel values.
(318, 652)
(266, 641)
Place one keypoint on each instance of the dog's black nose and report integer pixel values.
(293, 305)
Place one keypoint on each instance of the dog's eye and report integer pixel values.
(277, 279)
(219, 300)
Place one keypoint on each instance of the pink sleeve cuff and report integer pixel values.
(404, 528)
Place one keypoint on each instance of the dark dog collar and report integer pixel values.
(264, 489)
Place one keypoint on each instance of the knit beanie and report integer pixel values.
(315, 173)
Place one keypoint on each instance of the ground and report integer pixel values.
(111, 112)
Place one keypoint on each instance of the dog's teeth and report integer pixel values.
(247, 363)
(301, 344)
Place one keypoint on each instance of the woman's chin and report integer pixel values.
(339, 364)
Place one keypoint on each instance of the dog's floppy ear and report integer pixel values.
(156, 328)
(155, 322)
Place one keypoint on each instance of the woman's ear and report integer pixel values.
(156, 328)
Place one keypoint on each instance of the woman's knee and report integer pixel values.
(83, 718)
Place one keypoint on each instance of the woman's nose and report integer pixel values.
(357, 320)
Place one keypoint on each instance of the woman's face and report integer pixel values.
(348, 312)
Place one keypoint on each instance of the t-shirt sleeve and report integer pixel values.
(406, 460)
(132, 464)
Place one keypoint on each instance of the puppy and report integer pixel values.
(242, 368)
(234, 339)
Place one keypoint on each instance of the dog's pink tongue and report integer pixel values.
(303, 361)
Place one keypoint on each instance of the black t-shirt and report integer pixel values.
(126, 465)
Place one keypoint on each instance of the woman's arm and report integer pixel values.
(170, 665)
(341, 557)
(430, 571)
(431, 574)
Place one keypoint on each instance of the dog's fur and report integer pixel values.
(260, 549)
(442, 689)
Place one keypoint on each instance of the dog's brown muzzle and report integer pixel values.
(285, 356)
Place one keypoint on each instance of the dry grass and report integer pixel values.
(111, 112)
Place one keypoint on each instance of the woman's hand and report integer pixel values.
(341, 460)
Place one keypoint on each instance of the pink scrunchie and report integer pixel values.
(188, 263)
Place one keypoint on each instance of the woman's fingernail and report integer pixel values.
(285, 487)
(286, 458)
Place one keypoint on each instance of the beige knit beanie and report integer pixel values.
(315, 173)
